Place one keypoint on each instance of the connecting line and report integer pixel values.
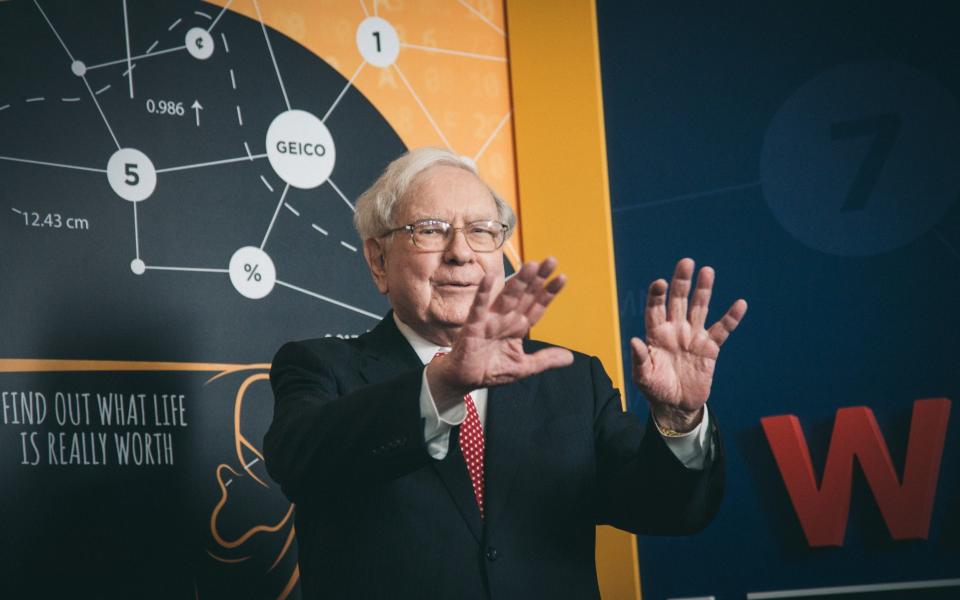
(136, 230)
(212, 163)
(50, 164)
(100, 110)
(363, 5)
(330, 300)
(493, 135)
(275, 213)
(729, 188)
(191, 269)
(481, 16)
(946, 242)
(375, 8)
(422, 107)
(337, 190)
(54, 29)
(222, 10)
(110, 63)
(454, 52)
(343, 91)
(126, 32)
(272, 57)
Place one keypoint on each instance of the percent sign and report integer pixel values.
(252, 269)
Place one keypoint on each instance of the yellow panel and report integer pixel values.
(565, 203)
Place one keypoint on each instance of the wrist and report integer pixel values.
(443, 392)
(673, 421)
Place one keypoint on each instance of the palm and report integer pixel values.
(675, 367)
(489, 350)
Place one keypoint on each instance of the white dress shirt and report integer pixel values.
(690, 448)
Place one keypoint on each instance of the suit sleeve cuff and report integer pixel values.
(691, 448)
(437, 424)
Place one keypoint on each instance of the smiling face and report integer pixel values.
(431, 291)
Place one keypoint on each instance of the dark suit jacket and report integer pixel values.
(377, 517)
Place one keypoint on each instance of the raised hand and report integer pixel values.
(674, 368)
(489, 350)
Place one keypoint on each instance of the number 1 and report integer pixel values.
(376, 34)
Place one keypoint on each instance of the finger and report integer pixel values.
(700, 303)
(548, 358)
(535, 287)
(544, 298)
(640, 354)
(656, 311)
(513, 289)
(679, 290)
(722, 329)
(481, 301)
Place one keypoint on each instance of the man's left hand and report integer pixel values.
(674, 368)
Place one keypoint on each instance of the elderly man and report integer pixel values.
(483, 473)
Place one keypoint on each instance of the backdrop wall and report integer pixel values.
(809, 152)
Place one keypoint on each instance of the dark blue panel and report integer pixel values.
(810, 152)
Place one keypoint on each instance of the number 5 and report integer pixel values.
(130, 170)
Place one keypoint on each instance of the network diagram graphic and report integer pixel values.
(298, 145)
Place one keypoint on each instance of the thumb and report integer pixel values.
(549, 358)
(640, 358)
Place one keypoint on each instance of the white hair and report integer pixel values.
(377, 207)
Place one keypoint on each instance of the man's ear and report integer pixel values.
(373, 252)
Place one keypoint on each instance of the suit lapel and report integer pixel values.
(509, 423)
(385, 354)
(453, 472)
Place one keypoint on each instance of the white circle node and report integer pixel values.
(378, 42)
(300, 149)
(252, 272)
(199, 43)
(131, 174)
(138, 266)
(79, 69)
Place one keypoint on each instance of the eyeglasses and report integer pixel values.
(435, 235)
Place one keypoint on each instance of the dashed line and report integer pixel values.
(227, 482)
(152, 46)
(292, 209)
(318, 228)
(16, 210)
(127, 72)
(202, 14)
(4, 107)
(233, 80)
(69, 99)
(37, 99)
(174, 24)
(262, 178)
(239, 116)
(251, 463)
(249, 154)
(226, 46)
(348, 246)
(102, 90)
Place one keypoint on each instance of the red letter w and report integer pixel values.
(907, 508)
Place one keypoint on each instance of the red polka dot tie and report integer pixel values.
(471, 446)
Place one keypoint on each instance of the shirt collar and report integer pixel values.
(425, 349)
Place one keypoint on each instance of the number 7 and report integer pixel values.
(884, 129)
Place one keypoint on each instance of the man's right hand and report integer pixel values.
(489, 350)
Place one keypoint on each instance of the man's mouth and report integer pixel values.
(455, 284)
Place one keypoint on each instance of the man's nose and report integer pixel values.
(458, 251)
